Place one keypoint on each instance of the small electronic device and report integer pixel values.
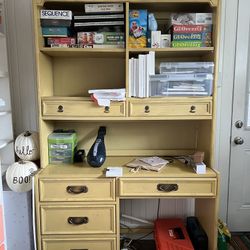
(97, 153)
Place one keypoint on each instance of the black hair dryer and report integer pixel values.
(97, 153)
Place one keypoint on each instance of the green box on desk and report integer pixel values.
(62, 147)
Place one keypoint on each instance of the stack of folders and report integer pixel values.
(139, 71)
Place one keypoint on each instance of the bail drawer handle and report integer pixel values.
(77, 189)
(78, 220)
(60, 109)
(167, 187)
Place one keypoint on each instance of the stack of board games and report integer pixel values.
(191, 29)
(101, 25)
(55, 26)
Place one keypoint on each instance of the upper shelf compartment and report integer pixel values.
(211, 2)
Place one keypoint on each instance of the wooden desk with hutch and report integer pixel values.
(77, 207)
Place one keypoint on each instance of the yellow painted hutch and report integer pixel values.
(77, 207)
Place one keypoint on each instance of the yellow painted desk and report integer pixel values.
(78, 207)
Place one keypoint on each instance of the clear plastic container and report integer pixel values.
(186, 67)
(181, 85)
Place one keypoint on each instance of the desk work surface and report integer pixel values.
(171, 170)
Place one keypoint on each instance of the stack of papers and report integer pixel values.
(103, 97)
(154, 163)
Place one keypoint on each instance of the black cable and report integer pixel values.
(158, 208)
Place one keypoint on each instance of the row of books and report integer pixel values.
(140, 70)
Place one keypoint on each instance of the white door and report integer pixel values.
(239, 183)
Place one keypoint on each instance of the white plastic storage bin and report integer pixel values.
(186, 67)
(181, 85)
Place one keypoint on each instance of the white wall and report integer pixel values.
(22, 64)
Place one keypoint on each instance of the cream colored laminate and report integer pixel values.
(76, 171)
(166, 187)
(164, 108)
(79, 243)
(77, 219)
(76, 107)
(97, 189)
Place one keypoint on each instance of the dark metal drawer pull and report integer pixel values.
(106, 109)
(79, 249)
(60, 109)
(192, 109)
(167, 187)
(78, 220)
(77, 189)
(147, 110)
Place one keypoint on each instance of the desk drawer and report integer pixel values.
(78, 219)
(77, 190)
(158, 108)
(77, 108)
(79, 244)
(159, 187)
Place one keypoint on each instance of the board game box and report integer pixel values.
(189, 44)
(191, 18)
(138, 28)
(191, 28)
(100, 38)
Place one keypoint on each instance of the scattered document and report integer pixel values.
(152, 163)
(103, 97)
(114, 172)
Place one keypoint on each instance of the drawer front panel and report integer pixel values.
(77, 190)
(133, 187)
(82, 108)
(74, 219)
(161, 109)
(79, 244)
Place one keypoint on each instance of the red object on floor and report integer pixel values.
(171, 234)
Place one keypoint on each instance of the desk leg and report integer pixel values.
(117, 224)
(206, 210)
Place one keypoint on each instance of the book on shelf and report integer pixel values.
(139, 71)
(104, 7)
